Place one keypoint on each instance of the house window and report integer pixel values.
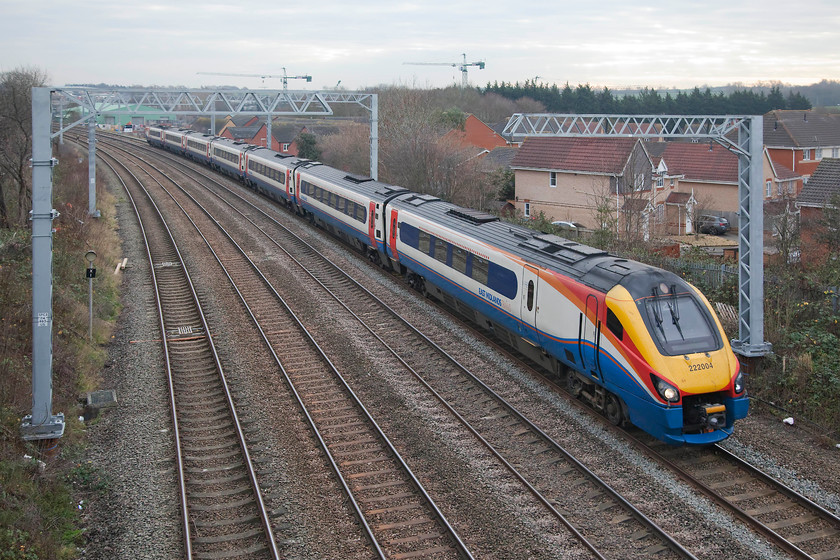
(806, 154)
(835, 152)
(552, 179)
(286, 147)
(819, 153)
(660, 182)
(768, 191)
(672, 183)
(779, 189)
(527, 209)
(660, 213)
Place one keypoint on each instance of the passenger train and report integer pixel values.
(637, 342)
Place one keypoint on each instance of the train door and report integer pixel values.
(528, 305)
(393, 235)
(589, 336)
(241, 164)
(372, 218)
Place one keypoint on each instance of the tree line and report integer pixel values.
(584, 99)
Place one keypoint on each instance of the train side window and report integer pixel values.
(459, 260)
(441, 250)
(479, 270)
(614, 324)
(502, 280)
(423, 242)
(340, 204)
(530, 295)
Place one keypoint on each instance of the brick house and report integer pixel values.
(692, 179)
(282, 136)
(816, 195)
(476, 134)
(799, 140)
(569, 178)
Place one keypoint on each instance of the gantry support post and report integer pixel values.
(42, 424)
(374, 137)
(750, 341)
(92, 211)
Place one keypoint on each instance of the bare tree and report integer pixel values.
(603, 200)
(16, 143)
(349, 149)
(786, 232)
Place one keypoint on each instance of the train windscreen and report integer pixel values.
(680, 325)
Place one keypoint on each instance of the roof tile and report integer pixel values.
(823, 184)
(599, 155)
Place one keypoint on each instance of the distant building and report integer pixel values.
(799, 140)
(476, 134)
(816, 195)
(567, 177)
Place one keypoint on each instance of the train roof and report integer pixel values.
(371, 188)
(275, 157)
(588, 265)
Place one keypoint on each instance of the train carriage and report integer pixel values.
(270, 173)
(174, 140)
(228, 156)
(348, 206)
(154, 136)
(197, 146)
(628, 335)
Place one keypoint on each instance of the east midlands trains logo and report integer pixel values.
(490, 297)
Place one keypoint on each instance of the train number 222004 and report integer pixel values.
(699, 367)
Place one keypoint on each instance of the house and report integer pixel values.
(498, 158)
(476, 134)
(282, 136)
(692, 179)
(821, 191)
(578, 179)
(799, 140)
(236, 121)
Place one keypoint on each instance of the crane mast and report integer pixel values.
(462, 66)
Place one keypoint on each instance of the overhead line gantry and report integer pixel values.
(741, 135)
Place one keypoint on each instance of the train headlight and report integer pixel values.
(738, 386)
(665, 389)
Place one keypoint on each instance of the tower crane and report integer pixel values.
(284, 77)
(462, 66)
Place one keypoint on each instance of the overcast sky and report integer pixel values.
(656, 43)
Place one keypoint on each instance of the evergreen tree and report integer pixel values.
(308, 146)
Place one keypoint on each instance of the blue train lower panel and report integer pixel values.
(341, 227)
(666, 423)
(268, 189)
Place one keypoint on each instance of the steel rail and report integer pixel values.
(456, 538)
(265, 521)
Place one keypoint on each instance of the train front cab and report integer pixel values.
(686, 391)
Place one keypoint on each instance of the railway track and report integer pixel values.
(796, 524)
(397, 514)
(223, 515)
(597, 515)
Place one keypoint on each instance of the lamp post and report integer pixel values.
(90, 256)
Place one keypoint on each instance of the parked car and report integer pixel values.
(567, 226)
(716, 225)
